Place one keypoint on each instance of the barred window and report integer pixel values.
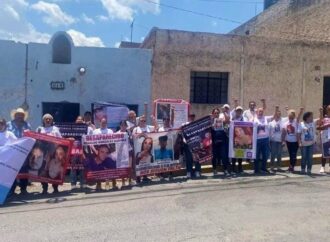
(209, 87)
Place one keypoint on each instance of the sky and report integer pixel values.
(104, 23)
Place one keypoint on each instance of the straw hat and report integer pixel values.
(19, 110)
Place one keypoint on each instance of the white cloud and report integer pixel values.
(54, 14)
(102, 18)
(10, 10)
(214, 23)
(80, 39)
(126, 9)
(87, 19)
(14, 26)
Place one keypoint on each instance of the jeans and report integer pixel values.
(220, 153)
(307, 157)
(262, 155)
(74, 177)
(292, 148)
(189, 160)
(275, 152)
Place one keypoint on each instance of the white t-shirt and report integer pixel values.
(103, 131)
(275, 130)
(249, 115)
(6, 137)
(263, 127)
(325, 133)
(291, 130)
(51, 131)
(140, 130)
(218, 123)
(307, 132)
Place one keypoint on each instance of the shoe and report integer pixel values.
(188, 175)
(322, 170)
(303, 172)
(24, 192)
(215, 172)
(265, 171)
(198, 174)
(98, 187)
(146, 179)
(44, 192)
(55, 191)
(309, 172)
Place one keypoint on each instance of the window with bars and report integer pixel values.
(209, 87)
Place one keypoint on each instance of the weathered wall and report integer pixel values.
(282, 72)
(295, 19)
(113, 75)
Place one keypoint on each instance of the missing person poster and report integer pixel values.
(114, 113)
(158, 152)
(47, 160)
(242, 140)
(174, 111)
(199, 139)
(12, 157)
(106, 156)
(325, 140)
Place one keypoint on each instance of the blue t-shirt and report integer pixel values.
(18, 132)
(164, 154)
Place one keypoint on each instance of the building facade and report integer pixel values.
(65, 80)
(210, 70)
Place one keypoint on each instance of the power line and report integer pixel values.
(192, 12)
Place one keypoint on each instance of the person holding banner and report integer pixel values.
(131, 121)
(88, 120)
(18, 125)
(324, 127)
(306, 140)
(237, 116)
(289, 135)
(220, 142)
(49, 129)
(262, 154)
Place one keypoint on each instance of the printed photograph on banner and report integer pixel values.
(114, 113)
(48, 159)
(242, 140)
(199, 139)
(158, 152)
(106, 156)
(174, 111)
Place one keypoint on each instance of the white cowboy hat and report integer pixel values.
(19, 110)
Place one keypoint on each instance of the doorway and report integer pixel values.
(63, 112)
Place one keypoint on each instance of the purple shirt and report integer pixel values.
(107, 164)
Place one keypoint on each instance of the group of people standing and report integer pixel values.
(273, 133)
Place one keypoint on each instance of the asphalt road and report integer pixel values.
(271, 208)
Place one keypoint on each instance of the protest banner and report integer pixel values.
(114, 113)
(242, 140)
(12, 157)
(325, 140)
(176, 110)
(48, 159)
(75, 131)
(199, 139)
(157, 153)
(106, 156)
(72, 130)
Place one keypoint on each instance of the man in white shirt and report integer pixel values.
(103, 128)
(250, 114)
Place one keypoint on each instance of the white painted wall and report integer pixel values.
(113, 75)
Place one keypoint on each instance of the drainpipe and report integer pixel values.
(241, 83)
(25, 104)
(303, 88)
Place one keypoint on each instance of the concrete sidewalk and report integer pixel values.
(178, 182)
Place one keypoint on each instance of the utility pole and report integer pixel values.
(132, 26)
